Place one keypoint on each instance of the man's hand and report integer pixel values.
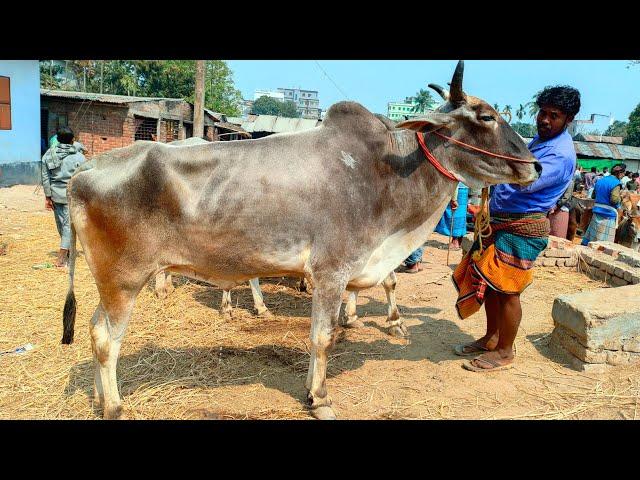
(48, 203)
(454, 204)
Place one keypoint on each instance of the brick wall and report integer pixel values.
(100, 127)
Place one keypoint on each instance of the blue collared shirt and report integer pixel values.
(558, 159)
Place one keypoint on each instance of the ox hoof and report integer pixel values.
(323, 413)
(264, 312)
(399, 331)
(353, 323)
(116, 413)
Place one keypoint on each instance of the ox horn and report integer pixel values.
(441, 91)
(456, 94)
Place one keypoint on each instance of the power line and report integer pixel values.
(331, 80)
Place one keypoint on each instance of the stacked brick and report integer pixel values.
(612, 263)
(597, 333)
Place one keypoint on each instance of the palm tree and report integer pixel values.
(533, 106)
(496, 107)
(520, 112)
(507, 110)
(423, 101)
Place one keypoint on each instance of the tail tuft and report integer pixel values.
(69, 318)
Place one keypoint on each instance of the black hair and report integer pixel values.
(605, 169)
(635, 175)
(593, 169)
(65, 135)
(618, 168)
(564, 97)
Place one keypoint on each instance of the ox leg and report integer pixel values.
(324, 318)
(164, 285)
(258, 301)
(351, 319)
(107, 329)
(396, 324)
(225, 307)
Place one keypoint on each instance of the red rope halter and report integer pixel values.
(450, 175)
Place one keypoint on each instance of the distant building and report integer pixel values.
(245, 107)
(307, 102)
(20, 146)
(398, 111)
(268, 93)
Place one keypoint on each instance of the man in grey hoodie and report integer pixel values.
(58, 165)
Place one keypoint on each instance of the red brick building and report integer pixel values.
(103, 122)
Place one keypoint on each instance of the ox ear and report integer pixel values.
(430, 121)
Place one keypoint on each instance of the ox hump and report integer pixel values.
(351, 117)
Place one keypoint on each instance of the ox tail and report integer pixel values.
(69, 313)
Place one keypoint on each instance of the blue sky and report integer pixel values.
(607, 86)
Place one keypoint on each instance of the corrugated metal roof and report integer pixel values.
(233, 128)
(603, 150)
(236, 120)
(602, 139)
(607, 150)
(100, 97)
(274, 124)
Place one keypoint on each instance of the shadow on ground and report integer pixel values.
(274, 366)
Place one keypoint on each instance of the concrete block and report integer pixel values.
(564, 338)
(597, 316)
(610, 268)
(560, 262)
(635, 279)
(619, 272)
(571, 262)
(599, 274)
(632, 345)
(618, 358)
(596, 262)
(548, 262)
(467, 242)
(617, 281)
(581, 366)
(627, 275)
(558, 253)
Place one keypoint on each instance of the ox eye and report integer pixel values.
(487, 118)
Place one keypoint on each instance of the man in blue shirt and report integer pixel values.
(605, 212)
(520, 229)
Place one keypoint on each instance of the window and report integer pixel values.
(63, 120)
(5, 103)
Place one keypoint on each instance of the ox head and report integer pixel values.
(473, 121)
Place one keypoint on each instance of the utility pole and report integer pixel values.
(198, 105)
(101, 74)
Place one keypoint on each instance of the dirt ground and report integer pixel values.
(181, 359)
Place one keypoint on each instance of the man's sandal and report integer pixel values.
(495, 366)
(475, 349)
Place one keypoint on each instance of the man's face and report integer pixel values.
(551, 121)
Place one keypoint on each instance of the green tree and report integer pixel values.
(49, 74)
(633, 128)
(272, 106)
(525, 129)
(151, 78)
(618, 129)
(266, 106)
(289, 109)
(533, 105)
(520, 112)
(496, 107)
(507, 109)
(423, 101)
